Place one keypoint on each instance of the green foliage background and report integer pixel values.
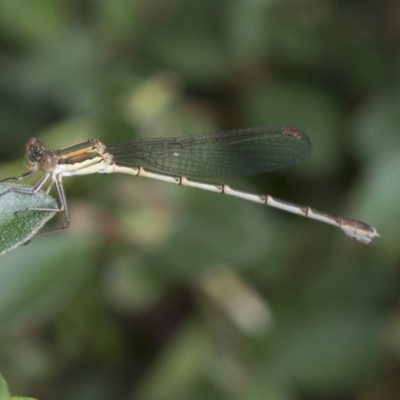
(159, 292)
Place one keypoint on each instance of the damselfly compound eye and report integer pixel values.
(29, 144)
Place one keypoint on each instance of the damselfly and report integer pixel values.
(223, 154)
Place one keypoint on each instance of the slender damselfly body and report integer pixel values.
(232, 153)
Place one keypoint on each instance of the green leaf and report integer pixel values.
(4, 393)
(18, 226)
(22, 398)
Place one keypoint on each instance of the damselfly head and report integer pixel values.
(34, 152)
(37, 158)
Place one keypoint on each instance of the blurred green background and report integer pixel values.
(159, 292)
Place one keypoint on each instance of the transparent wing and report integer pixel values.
(231, 153)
